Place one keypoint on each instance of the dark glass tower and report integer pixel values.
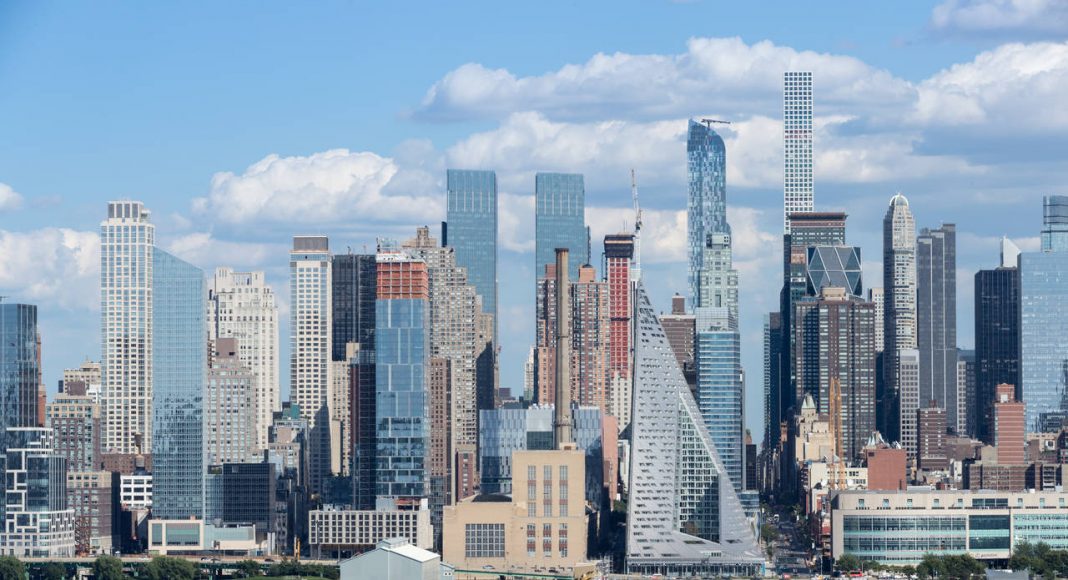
(472, 229)
(559, 221)
(936, 317)
(997, 339)
(20, 366)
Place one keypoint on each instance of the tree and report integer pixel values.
(11, 568)
(164, 568)
(50, 571)
(248, 569)
(108, 568)
(768, 533)
(849, 562)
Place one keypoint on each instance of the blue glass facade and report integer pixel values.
(707, 211)
(471, 215)
(402, 412)
(179, 367)
(720, 396)
(1044, 337)
(20, 371)
(560, 221)
(1055, 223)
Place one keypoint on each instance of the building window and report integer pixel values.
(563, 540)
(547, 540)
(484, 540)
(532, 541)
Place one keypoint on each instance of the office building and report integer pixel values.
(37, 520)
(618, 254)
(230, 410)
(876, 297)
(936, 317)
(900, 527)
(797, 135)
(242, 306)
(997, 338)
(560, 221)
(706, 210)
(127, 239)
(179, 373)
(720, 396)
(1007, 426)
(966, 395)
(353, 303)
(908, 394)
(311, 350)
(681, 330)
(773, 363)
(837, 266)
(402, 345)
(88, 375)
(336, 532)
(676, 479)
(899, 309)
(931, 437)
(471, 214)
(1044, 321)
(835, 342)
(249, 494)
(20, 365)
(94, 498)
(589, 332)
(75, 424)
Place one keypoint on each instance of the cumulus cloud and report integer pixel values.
(1040, 18)
(9, 198)
(51, 267)
(207, 252)
(1014, 84)
(739, 78)
(323, 188)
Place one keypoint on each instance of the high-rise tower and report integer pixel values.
(618, 253)
(242, 306)
(127, 239)
(707, 207)
(20, 366)
(997, 339)
(471, 210)
(899, 310)
(936, 318)
(797, 138)
(560, 221)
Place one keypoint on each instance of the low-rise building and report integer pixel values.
(93, 495)
(900, 527)
(37, 522)
(341, 532)
(194, 537)
(397, 559)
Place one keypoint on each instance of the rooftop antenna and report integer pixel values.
(637, 268)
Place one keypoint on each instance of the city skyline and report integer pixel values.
(207, 222)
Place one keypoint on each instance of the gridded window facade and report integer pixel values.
(797, 135)
(484, 540)
(560, 222)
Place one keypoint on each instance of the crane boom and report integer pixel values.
(637, 269)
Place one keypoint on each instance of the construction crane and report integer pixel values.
(708, 122)
(637, 273)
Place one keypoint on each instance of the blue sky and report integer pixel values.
(242, 123)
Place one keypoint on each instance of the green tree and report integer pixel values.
(50, 571)
(11, 568)
(164, 568)
(768, 533)
(849, 562)
(108, 568)
(248, 569)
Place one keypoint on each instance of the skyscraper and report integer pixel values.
(997, 339)
(618, 253)
(1044, 321)
(936, 318)
(560, 220)
(684, 514)
(402, 409)
(311, 347)
(835, 341)
(837, 266)
(967, 407)
(797, 135)
(471, 214)
(127, 238)
(899, 309)
(242, 306)
(720, 395)
(20, 366)
(707, 207)
(589, 334)
(179, 372)
(230, 409)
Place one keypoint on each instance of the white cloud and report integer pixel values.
(734, 77)
(51, 267)
(205, 251)
(329, 187)
(9, 198)
(1029, 17)
(515, 222)
(1016, 86)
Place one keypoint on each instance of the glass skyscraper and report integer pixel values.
(559, 221)
(707, 206)
(997, 340)
(899, 310)
(1044, 322)
(402, 317)
(179, 369)
(720, 396)
(936, 318)
(20, 366)
(471, 215)
(797, 135)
